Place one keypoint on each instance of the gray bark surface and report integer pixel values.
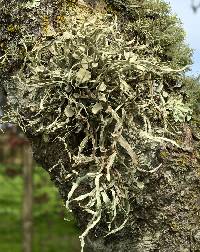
(165, 216)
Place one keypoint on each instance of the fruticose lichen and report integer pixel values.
(103, 85)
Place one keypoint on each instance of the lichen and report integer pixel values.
(103, 88)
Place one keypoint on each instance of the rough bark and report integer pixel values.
(165, 211)
(165, 216)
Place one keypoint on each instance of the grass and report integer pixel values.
(51, 232)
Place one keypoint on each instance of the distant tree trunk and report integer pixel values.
(195, 5)
(27, 198)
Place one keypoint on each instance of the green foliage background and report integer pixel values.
(51, 232)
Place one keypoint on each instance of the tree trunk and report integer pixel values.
(164, 205)
(27, 199)
(165, 216)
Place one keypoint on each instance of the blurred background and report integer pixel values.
(32, 215)
(189, 13)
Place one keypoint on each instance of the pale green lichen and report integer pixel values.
(96, 82)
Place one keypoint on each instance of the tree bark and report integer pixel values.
(165, 216)
(165, 211)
